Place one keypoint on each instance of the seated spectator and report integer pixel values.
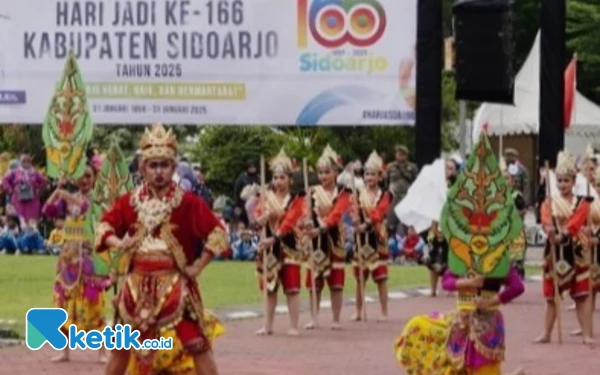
(31, 241)
(57, 238)
(246, 247)
(9, 235)
(218, 211)
(413, 246)
(395, 244)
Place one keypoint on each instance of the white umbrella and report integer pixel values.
(425, 198)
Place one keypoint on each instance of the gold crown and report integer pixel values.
(329, 158)
(374, 162)
(158, 142)
(281, 163)
(565, 164)
(74, 229)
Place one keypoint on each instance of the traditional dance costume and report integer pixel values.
(77, 289)
(328, 208)
(437, 258)
(471, 340)
(283, 259)
(595, 248)
(372, 245)
(157, 297)
(572, 270)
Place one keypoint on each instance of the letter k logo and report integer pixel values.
(43, 325)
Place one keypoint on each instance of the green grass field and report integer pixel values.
(27, 281)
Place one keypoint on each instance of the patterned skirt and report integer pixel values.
(176, 361)
(423, 348)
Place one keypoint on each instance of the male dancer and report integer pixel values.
(162, 225)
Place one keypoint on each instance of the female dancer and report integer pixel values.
(77, 289)
(469, 341)
(563, 216)
(592, 233)
(372, 248)
(436, 258)
(279, 212)
(329, 203)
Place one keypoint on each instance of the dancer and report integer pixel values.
(373, 203)
(329, 203)
(592, 234)
(77, 288)
(436, 256)
(470, 341)
(518, 247)
(436, 253)
(280, 212)
(160, 225)
(563, 216)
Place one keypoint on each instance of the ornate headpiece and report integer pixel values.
(281, 163)
(374, 162)
(565, 164)
(158, 142)
(329, 159)
(588, 155)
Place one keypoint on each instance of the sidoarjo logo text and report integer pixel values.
(342, 32)
(44, 326)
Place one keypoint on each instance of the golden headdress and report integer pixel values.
(374, 162)
(281, 163)
(329, 159)
(158, 142)
(589, 155)
(565, 164)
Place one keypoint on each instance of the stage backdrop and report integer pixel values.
(296, 62)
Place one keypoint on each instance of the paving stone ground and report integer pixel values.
(361, 348)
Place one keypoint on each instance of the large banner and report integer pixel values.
(280, 62)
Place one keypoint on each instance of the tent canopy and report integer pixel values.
(523, 117)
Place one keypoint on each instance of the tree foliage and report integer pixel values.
(583, 38)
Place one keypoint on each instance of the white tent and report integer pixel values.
(523, 117)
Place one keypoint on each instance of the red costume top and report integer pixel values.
(372, 210)
(327, 212)
(572, 270)
(157, 294)
(283, 225)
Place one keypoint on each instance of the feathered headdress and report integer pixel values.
(565, 164)
(281, 163)
(158, 142)
(329, 159)
(374, 162)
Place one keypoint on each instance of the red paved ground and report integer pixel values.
(362, 348)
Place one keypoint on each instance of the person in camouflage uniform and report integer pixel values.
(401, 174)
(521, 179)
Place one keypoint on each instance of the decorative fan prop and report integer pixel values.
(480, 220)
(68, 127)
(112, 181)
